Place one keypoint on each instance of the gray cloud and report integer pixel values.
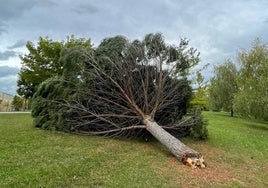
(8, 79)
(216, 28)
(85, 9)
(8, 84)
(7, 54)
(2, 27)
(18, 44)
(15, 9)
(11, 9)
(8, 71)
(47, 3)
(208, 24)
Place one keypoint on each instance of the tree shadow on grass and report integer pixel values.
(257, 127)
(222, 114)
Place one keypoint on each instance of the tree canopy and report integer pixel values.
(200, 96)
(42, 62)
(110, 90)
(18, 103)
(223, 87)
(244, 90)
(251, 99)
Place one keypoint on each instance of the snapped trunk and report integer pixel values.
(182, 152)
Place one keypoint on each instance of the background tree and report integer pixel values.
(200, 96)
(137, 90)
(18, 103)
(47, 108)
(42, 62)
(223, 87)
(252, 97)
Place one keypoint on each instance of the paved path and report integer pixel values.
(16, 112)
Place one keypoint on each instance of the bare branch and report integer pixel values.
(108, 132)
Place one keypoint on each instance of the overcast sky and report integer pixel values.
(218, 29)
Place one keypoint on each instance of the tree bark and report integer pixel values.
(182, 152)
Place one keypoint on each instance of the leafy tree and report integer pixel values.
(223, 87)
(47, 108)
(252, 97)
(135, 89)
(42, 62)
(200, 98)
(18, 102)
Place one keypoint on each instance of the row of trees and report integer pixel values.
(120, 88)
(243, 91)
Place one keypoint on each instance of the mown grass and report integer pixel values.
(236, 153)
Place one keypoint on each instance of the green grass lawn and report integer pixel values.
(236, 153)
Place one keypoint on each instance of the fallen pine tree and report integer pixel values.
(124, 88)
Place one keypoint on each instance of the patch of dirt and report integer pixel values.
(219, 174)
(223, 169)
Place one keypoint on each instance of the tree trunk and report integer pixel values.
(182, 152)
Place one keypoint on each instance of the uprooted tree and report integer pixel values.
(124, 88)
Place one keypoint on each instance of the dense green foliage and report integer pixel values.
(18, 103)
(47, 103)
(43, 62)
(106, 90)
(251, 99)
(223, 87)
(47, 112)
(199, 131)
(200, 98)
(244, 91)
